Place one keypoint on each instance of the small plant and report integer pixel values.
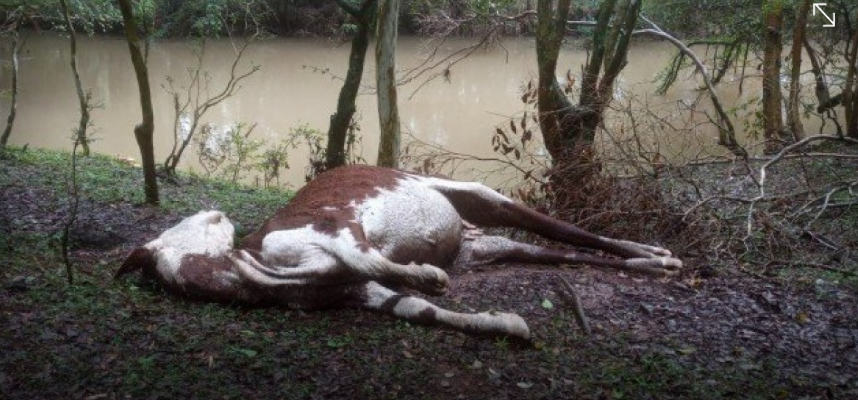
(314, 139)
(230, 150)
(272, 160)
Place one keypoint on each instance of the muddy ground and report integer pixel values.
(726, 335)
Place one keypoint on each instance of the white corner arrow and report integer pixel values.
(818, 6)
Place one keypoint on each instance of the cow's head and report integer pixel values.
(208, 234)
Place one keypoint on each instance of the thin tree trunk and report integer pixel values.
(342, 118)
(772, 115)
(823, 96)
(80, 133)
(850, 90)
(388, 112)
(13, 101)
(143, 132)
(793, 109)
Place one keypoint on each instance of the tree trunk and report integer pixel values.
(565, 126)
(555, 109)
(850, 90)
(388, 113)
(13, 101)
(772, 116)
(143, 132)
(793, 106)
(569, 130)
(82, 96)
(342, 118)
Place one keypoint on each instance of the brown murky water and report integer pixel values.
(461, 113)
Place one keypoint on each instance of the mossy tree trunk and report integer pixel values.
(364, 15)
(570, 129)
(772, 98)
(144, 131)
(385, 61)
(555, 109)
(564, 125)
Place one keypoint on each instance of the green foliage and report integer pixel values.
(229, 150)
(205, 18)
(90, 16)
(213, 18)
(723, 18)
(314, 140)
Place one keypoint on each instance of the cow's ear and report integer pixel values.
(139, 258)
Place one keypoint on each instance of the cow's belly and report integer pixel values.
(412, 224)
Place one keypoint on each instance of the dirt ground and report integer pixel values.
(726, 335)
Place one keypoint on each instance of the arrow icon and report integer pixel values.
(818, 6)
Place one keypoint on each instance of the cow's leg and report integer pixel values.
(339, 257)
(480, 249)
(360, 257)
(417, 310)
(483, 206)
(344, 266)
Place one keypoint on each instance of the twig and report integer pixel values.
(438, 150)
(777, 158)
(580, 317)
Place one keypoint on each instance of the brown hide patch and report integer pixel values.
(140, 258)
(534, 221)
(360, 236)
(391, 303)
(475, 209)
(427, 316)
(203, 281)
(324, 203)
(481, 212)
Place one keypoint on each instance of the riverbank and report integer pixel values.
(732, 335)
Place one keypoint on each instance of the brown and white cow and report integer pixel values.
(355, 235)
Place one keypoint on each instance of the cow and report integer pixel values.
(357, 236)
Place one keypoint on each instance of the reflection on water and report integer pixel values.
(460, 113)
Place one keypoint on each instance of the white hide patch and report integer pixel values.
(411, 222)
(304, 253)
(208, 233)
(290, 248)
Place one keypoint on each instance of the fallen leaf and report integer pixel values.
(247, 352)
(546, 304)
